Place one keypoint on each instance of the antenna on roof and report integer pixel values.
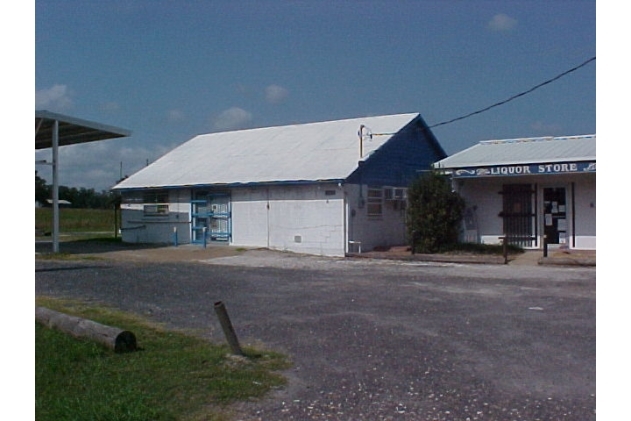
(369, 134)
(361, 135)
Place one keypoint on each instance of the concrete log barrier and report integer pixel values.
(113, 338)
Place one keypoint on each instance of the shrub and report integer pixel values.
(434, 213)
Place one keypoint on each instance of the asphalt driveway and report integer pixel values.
(374, 339)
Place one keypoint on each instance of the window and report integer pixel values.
(156, 210)
(158, 196)
(374, 204)
(400, 194)
(156, 203)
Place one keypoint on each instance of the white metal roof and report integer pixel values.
(523, 151)
(303, 152)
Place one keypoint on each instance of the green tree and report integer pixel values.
(42, 190)
(81, 198)
(434, 213)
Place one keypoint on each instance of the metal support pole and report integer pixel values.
(204, 234)
(227, 328)
(115, 220)
(505, 249)
(55, 186)
(175, 236)
(545, 246)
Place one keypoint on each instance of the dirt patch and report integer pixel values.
(192, 252)
(138, 253)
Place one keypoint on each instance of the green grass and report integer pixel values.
(76, 220)
(175, 376)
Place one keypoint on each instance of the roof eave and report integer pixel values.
(232, 185)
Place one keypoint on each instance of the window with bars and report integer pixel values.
(519, 214)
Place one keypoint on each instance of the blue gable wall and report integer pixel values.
(412, 150)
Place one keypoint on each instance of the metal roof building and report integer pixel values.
(528, 150)
(323, 151)
(535, 192)
(313, 188)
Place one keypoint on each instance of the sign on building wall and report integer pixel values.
(526, 169)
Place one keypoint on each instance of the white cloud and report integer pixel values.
(89, 165)
(175, 116)
(244, 90)
(99, 165)
(547, 129)
(232, 118)
(55, 98)
(502, 22)
(275, 94)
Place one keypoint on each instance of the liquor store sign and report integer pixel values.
(526, 169)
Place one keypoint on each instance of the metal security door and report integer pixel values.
(518, 214)
(555, 215)
(220, 226)
(211, 217)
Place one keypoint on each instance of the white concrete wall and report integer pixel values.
(372, 232)
(304, 219)
(250, 226)
(482, 195)
(585, 205)
(299, 218)
(139, 228)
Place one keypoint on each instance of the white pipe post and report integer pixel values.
(55, 187)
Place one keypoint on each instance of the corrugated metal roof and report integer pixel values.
(303, 152)
(523, 151)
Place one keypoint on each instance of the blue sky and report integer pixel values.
(168, 70)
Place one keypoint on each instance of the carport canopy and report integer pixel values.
(71, 130)
(53, 130)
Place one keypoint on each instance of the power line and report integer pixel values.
(516, 96)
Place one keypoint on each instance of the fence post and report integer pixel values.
(227, 328)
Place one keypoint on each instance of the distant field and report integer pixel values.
(76, 221)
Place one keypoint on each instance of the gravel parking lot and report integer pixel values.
(375, 339)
